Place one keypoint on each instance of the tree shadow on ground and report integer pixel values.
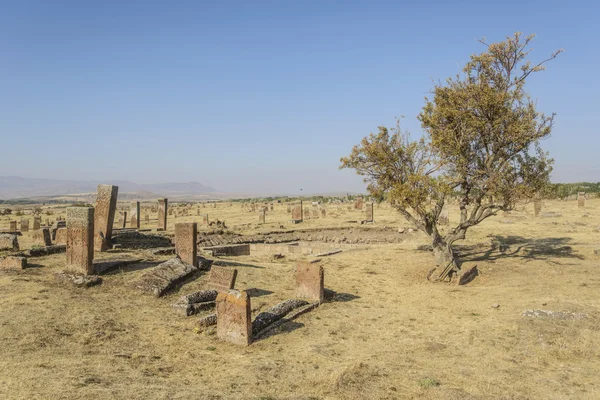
(528, 249)
(222, 263)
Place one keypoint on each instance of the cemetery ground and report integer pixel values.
(388, 334)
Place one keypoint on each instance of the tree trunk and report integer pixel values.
(445, 260)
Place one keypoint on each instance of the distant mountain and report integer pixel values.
(13, 187)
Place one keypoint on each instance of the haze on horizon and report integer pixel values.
(262, 97)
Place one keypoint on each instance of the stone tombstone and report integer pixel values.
(24, 225)
(234, 317)
(537, 207)
(297, 213)
(306, 214)
(315, 213)
(358, 204)
(221, 279)
(163, 205)
(124, 220)
(80, 239)
(135, 215)
(9, 241)
(37, 223)
(60, 236)
(186, 235)
(581, 199)
(13, 226)
(205, 219)
(147, 218)
(104, 216)
(323, 213)
(369, 212)
(41, 237)
(262, 215)
(310, 281)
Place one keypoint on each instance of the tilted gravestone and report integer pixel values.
(80, 239)
(104, 216)
(234, 317)
(221, 279)
(186, 234)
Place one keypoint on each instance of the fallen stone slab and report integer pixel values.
(192, 309)
(103, 267)
(560, 315)
(329, 253)
(43, 251)
(198, 297)
(9, 241)
(275, 313)
(207, 321)
(137, 240)
(193, 303)
(165, 276)
(13, 263)
(293, 314)
(164, 251)
(78, 280)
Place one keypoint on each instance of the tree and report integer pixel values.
(480, 146)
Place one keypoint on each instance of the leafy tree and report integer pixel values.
(481, 147)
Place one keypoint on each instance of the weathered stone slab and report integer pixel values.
(78, 279)
(186, 235)
(581, 199)
(55, 227)
(290, 316)
(165, 276)
(137, 240)
(103, 267)
(162, 214)
(135, 215)
(43, 251)
(80, 239)
(124, 220)
(547, 314)
(262, 216)
(24, 225)
(467, 275)
(221, 279)
(41, 237)
(232, 250)
(234, 321)
(297, 213)
(37, 222)
(13, 263)
(61, 236)
(323, 213)
(164, 251)
(13, 226)
(207, 321)
(104, 216)
(9, 241)
(275, 313)
(309, 281)
(369, 213)
(193, 303)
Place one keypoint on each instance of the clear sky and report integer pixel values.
(263, 96)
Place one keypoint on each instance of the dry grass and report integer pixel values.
(397, 337)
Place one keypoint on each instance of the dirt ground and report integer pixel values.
(391, 335)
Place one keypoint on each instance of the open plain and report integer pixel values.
(386, 334)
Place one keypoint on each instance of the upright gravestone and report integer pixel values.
(323, 213)
(205, 219)
(581, 199)
(124, 220)
(135, 215)
(147, 218)
(162, 214)
(186, 234)
(104, 216)
(37, 223)
(297, 214)
(369, 215)
(80, 239)
(24, 225)
(41, 237)
(537, 207)
(358, 204)
(310, 281)
(262, 215)
(13, 226)
(315, 213)
(234, 318)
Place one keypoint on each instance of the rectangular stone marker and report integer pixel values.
(297, 213)
(315, 213)
(135, 215)
(306, 214)
(124, 220)
(358, 204)
(262, 216)
(370, 212)
(13, 226)
(41, 237)
(162, 214)
(221, 279)
(147, 218)
(186, 234)
(323, 213)
(205, 219)
(60, 237)
(537, 207)
(24, 225)
(234, 318)
(80, 239)
(310, 281)
(11, 262)
(37, 222)
(104, 216)
(8, 241)
(581, 199)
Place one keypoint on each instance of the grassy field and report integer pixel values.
(391, 336)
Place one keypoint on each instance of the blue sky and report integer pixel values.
(257, 96)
